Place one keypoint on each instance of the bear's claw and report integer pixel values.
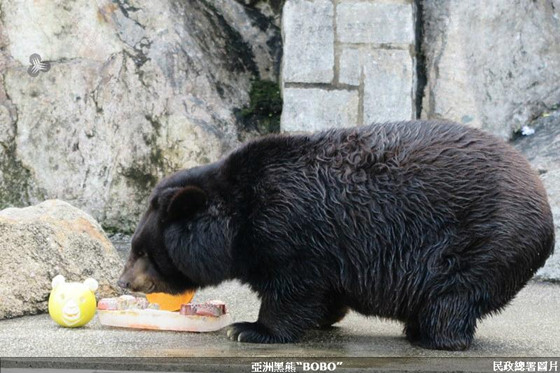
(250, 332)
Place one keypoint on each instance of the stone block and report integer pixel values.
(388, 85)
(313, 109)
(308, 34)
(350, 66)
(366, 22)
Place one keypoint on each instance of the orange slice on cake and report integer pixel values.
(168, 302)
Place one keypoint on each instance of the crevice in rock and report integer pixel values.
(421, 77)
(241, 57)
(274, 44)
(269, 8)
(125, 8)
(98, 107)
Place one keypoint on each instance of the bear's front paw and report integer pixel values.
(254, 332)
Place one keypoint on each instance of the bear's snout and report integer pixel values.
(123, 283)
(137, 275)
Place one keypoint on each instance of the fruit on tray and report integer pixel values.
(168, 302)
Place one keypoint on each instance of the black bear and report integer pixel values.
(433, 224)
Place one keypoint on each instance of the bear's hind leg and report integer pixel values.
(412, 331)
(445, 323)
(335, 313)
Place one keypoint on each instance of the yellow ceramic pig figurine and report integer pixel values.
(72, 304)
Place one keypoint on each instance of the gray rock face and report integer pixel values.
(491, 64)
(134, 92)
(543, 151)
(45, 240)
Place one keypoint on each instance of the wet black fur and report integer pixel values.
(432, 224)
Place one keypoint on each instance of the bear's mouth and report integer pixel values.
(144, 288)
(163, 287)
(151, 288)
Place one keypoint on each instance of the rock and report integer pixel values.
(45, 240)
(543, 151)
(150, 88)
(491, 64)
(121, 242)
(387, 79)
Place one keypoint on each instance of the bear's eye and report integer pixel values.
(140, 254)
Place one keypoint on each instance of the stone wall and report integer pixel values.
(493, 65)
(347, 63)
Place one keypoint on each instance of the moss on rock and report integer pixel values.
(265, 108)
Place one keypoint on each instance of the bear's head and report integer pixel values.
(183, 241)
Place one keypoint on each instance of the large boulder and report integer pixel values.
(543, 151)
(136, 90)
(42, 241)
(491, 64)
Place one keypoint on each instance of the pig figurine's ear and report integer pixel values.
(91, 284)
(58, 280)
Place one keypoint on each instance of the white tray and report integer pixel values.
(162, 320)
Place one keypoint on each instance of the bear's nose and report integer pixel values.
(123, 284)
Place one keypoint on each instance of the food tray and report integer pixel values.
(162, 320)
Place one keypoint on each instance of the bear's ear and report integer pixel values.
(186, 202)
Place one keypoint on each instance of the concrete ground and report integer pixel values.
(527, 329)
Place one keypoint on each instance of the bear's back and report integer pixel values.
(388, 210)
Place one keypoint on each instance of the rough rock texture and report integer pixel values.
(491, 64)
(543, 151)
(45, 240)
(136, 90)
